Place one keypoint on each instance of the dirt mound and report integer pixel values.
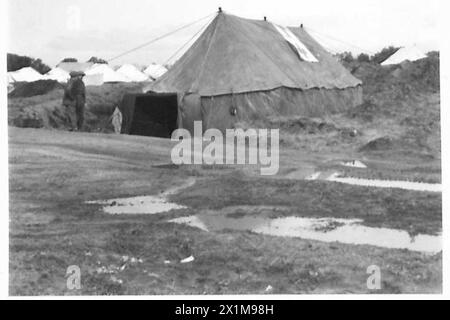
(383, 143)
(30, 89)
(302, 124)
(47, 111)
(419, 76)
(400, 101)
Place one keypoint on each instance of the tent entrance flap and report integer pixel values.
(155, 114)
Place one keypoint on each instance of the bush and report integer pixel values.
(97, 60)
(363, 58)
(69, 60)
(433, 54)
(346, 57)
(384, 54)
(30, 89)
(16, 62)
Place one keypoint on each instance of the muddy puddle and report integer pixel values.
(321, 229)
(354, 164)
(143, 204)
(406, 185)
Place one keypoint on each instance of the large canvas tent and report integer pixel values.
(247, 70)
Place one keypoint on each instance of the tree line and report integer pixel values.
(16, 62)
(378, 57)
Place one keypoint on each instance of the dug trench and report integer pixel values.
(52, 226)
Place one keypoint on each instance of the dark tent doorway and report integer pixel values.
(150, 114)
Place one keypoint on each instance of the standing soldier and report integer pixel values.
(75, 96)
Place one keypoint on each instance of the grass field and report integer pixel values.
(51, 177)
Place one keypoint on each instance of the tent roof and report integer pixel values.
(236, 55)
(155, 70)
(9, 78)
(26, 74)
(74, 66)
(58, 74)
(131, 72)
(403, 54)
(109, 75)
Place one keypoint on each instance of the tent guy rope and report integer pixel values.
(187, 42)
(160, 37)
(335, 39)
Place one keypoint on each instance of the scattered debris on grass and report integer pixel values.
(188, 259)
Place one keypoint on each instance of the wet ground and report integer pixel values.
(143, 204)
(349, 231)
(321, 229)
(398, 184)
(253, 224)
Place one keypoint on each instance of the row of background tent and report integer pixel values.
(404, 54)
(96, 74)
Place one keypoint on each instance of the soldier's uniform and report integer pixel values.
(75, 96)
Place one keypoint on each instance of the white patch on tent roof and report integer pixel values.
(301, 49)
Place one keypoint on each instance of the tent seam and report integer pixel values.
(206, 56)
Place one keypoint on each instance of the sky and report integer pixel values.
(55, 29)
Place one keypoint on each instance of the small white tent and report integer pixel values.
(404, 54)
(75, 66)
(155, 70)
(93, 80)
(133, 73)
(58, 74)
(109, 75)
(26, 74)
(10, 83)
(10, 78)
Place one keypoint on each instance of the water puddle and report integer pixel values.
(321, 229)
(137, 205)
(143, 204)
(314, 176)
(407, 185)
(354, 164)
